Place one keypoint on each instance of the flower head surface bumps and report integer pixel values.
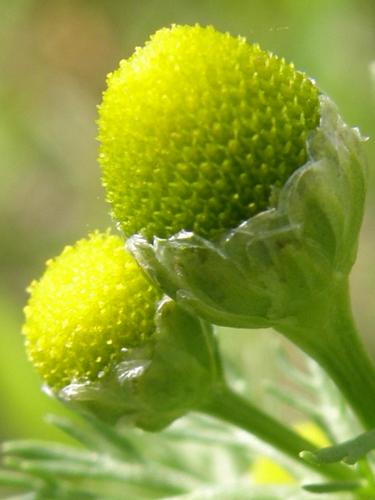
(91, 303)
(197, 130)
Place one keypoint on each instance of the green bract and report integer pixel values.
(272, 266)
(199, 130)
(91, 304)
(159, 381)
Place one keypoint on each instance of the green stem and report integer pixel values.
(232, 408)
(327, 333)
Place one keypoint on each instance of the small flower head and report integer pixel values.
(104, 342)
(92, 302)
(198, 130)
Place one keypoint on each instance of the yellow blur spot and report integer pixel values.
(313, 433)
(265, 471)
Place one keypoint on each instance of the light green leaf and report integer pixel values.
(349, 451)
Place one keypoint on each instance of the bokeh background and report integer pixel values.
(54, 56)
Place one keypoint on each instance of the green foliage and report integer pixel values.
(349, 451)
(182, 462)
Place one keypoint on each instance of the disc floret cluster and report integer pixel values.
(92, 302)
(198, 131)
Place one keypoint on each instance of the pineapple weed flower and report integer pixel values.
(100, 335)
(106, 342)
(242, 192)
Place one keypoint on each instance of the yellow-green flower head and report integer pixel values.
(198, 129)
(92, 302)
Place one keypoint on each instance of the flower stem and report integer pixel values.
(327, 333)
(232, 408)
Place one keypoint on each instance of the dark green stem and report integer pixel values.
(232, 408)
(327, 333)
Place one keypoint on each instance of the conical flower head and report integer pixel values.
(92, 302)
(106, 342)
(198, 130)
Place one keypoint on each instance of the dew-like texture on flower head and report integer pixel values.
(197, 128)
(92, 302)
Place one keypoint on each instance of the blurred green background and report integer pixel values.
(54, 56)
